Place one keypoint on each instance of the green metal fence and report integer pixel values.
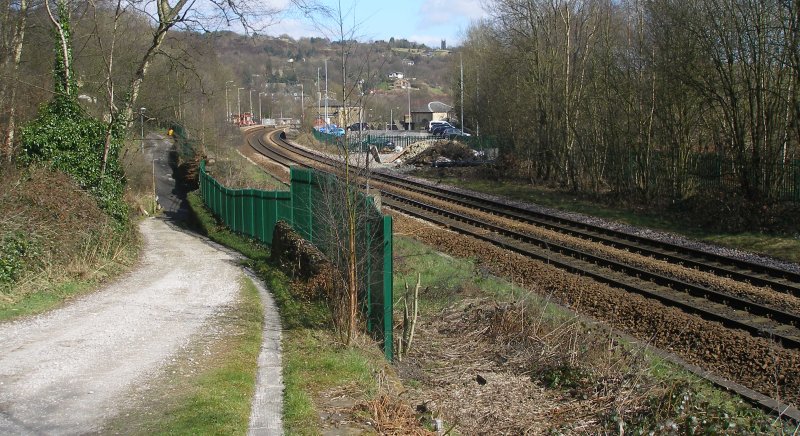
(321, 218)
(313, 209)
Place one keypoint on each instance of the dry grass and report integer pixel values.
(500, 359)
(393, 417)
(68, 236)
(550, 373)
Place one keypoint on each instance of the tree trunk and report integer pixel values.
(12, 64)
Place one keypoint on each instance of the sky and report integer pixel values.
(422, 21)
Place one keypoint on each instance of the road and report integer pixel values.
(170, 196)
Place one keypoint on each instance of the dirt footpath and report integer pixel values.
(67, 371)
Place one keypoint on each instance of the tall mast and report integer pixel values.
(462, 93)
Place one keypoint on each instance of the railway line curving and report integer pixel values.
(738, 312)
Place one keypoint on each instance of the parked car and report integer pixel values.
(434, 124)
(438, 130)
(453, 133)
(332, 129)
(358, 126)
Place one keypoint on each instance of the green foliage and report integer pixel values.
(17, 254)
(565, 376)
(685, 408)
(73, 142)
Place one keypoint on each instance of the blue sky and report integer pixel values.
(425, 21)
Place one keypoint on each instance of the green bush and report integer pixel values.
(73, 142)
(17, 255)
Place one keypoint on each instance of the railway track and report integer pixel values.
(757, 319)
(750, 272)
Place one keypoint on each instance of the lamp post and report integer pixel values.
(227, 103)
(251, 104)
(408, 126)
(141, 118)
(260, 114)
(302, 105)
(238, 107)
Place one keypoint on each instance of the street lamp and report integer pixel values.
(408, 126)
(302, 105)
(251, 104)
(141, 118)
(238, 107)
(260, 114)
(227, 104)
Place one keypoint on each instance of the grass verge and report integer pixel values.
(99, 260)
(314, 362)
(55, 241)
(209, 387)
(779, 246)
(234, 170)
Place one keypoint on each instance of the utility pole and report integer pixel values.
(462, 94)
(326, 93)
(251, 105)
(238, 107)
(409, 104)
(141, 117)
(302, 105)
(260, 116)
(408, 80)
(227, 103)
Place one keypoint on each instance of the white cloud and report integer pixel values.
(294, 27)
(444, 12)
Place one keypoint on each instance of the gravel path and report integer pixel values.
(65, 372)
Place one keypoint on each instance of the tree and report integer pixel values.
(64, 136)
(344, 210)
(636, 96)
(13, 26)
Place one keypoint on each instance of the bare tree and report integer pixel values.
(344, 209)
(635, 95)
(14, 22)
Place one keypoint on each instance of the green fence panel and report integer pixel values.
(254, 213)
(249, 212)
(302, 205)
(260, 200)
(277, 206)
(388, 285)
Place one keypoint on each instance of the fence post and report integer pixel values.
(388, 289)
(368, 245)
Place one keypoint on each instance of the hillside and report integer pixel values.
(279, 66)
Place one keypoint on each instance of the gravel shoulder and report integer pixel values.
(65, 372)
